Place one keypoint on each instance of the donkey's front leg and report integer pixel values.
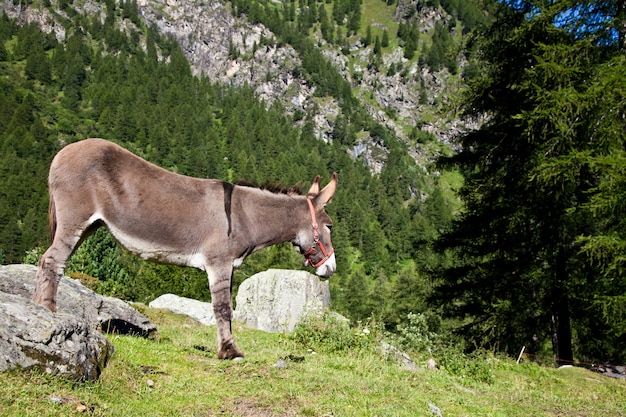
(221, 298)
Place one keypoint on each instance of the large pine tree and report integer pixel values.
(535, 171)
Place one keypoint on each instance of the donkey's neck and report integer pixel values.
(264, 218)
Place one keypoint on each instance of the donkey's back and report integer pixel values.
(154, 213)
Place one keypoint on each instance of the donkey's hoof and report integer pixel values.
(50, 305)
(230, 353)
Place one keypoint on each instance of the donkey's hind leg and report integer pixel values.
(49, 273)
(52, 265)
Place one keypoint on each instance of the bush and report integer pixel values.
(332, 334)
(32, 256)
(87, 280)
(473, 367)
(415, 336)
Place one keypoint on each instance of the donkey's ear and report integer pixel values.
(315, 187)
(327, 193)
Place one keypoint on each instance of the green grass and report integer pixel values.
(375, 13)
(178, 375)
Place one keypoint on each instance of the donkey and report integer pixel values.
(170, 218)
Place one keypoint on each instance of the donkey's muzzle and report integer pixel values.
(328, 268)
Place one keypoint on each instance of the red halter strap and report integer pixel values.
(316, 241)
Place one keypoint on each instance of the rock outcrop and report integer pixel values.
(198, 310)
(32, 337)
(68, 342)
(111, 314)
(275, 300)
(231, 50)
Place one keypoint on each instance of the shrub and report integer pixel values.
(88, 281)
(473, 367)
(415, 336)
(32, 256)
(331, 333)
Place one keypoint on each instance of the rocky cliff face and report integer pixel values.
(231, 50)
(228, 49)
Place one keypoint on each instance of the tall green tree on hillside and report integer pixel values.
(543, 166)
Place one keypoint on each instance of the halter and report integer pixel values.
(316, 241)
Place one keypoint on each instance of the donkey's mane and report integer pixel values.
(276, 188)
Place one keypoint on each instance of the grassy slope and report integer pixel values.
(189, 381)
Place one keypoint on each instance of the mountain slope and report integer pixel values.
(402, 94)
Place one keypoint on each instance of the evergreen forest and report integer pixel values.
(528, 251)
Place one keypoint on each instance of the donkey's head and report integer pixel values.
(314, 241)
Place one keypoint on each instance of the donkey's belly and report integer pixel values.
(158, 251)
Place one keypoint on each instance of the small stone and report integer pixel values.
(411, 366)
(431, 364)
(281, 364)
(150, 383)
(435, 409)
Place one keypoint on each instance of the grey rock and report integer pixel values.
(612, 371)
(32, 337)
(435, 409)
(274, 300)
(111, 314)
(281, 364)
(431, 364)
(66, 342)
(277, 300)
(398, 356)
(201, 311)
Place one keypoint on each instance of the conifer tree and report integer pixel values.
(368, 35)
(532, 174)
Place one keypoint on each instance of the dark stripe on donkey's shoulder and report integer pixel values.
(228, 198)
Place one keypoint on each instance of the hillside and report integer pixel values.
(305, 56)
(412, 92)
(339, 374)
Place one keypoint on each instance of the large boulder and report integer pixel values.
(199, 310)
(32, 337)
(67, 342)
(111, 314)
(277, 299)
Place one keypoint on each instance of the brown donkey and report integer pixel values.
(170, 218)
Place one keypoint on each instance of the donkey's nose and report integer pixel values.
(327, 268)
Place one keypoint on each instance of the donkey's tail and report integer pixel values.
(52, 218)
